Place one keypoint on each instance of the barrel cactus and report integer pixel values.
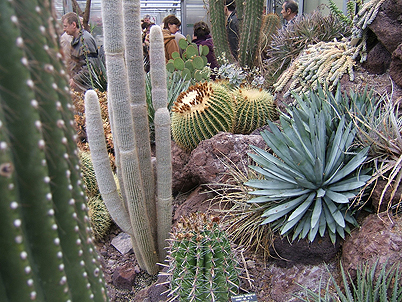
(201, 263)
(254, 108)
(46, 251)
(200, 112)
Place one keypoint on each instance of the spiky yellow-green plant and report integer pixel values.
(324, 62)
(99, 216)
(201, 112)
(254, 108)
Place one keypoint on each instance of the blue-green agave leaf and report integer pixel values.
(316, 215)
(304, 183)
(351, 166)
(270, 184)
(335, 150)
(334, 211)
(306, 225)
(303, 164)
(287, 206)
(268, 175)
(262, 199)
(281, 194)
(303, 207)
(330, 220)
(313, 232)
(336, 197)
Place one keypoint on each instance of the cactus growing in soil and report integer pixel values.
(201, 263)
(254, 108)
(46, 247)
(200, 112)
(137, 212)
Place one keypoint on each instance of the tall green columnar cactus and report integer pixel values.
(162, 139)
(250, 32)
(218, 29)
(46, 251)
(124, 135)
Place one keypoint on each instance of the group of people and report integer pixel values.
(80, 48)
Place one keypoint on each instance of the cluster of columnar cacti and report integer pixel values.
(208, 108)
(251, 22)
(324, 62)
(201, 262)
(193, 62)
(46, 249)
(146, 218)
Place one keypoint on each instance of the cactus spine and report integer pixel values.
(250, 32)
(201, 264)
(162, 139)
(136, 213)
(43, 215)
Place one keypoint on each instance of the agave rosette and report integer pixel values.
(312, 177)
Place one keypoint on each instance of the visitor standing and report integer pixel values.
(171, 26)
(83, 51)
(232, 27)
(289, 12)
(202, 37)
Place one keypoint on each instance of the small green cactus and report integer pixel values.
(201, 262)
(200, 112)
(254, 108)
(88, 174)
(192, 65)
(99, 217)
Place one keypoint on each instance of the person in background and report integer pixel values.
(232, 27)
(145, 45)
(83, 49)
(171, 26)
(147, 19)
(289, 12)
(202, 37)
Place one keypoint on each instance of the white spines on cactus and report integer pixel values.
(122, 124)
(162, 139)
(100, 160)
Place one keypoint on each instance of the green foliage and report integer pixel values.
(313, 175)
(254, 108)
(192, 64)
(289, 42)
(201, 264)
(371, 285)
(200, 112)
(346, 20)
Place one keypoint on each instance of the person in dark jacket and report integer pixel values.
(202, 37)
(83, 51)
(232, 27)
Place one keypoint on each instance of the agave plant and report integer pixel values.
(386, 287)
(312, 177)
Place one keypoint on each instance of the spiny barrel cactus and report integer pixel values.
(254, 108)
(46, 249)
(201, 112)
(201, 264)
(313, 175)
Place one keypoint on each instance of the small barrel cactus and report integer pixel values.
(254, 108)
(201, 265)
(200, 112)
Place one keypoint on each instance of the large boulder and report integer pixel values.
(208, 162)
(378, 239)
(395, 69)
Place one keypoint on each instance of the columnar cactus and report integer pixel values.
(201, 262)
(250, 32)
(46, 248)
(218, 29)
(137, 212)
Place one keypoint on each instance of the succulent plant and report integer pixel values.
(201, 112)
(313, 176)
(270, 25)
(192, 65)
(99, 217)
(288, 43)
(254, 107)
(46, 251)
(201, 263)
